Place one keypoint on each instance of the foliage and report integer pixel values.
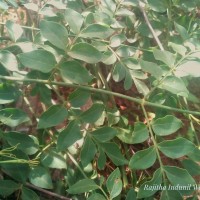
(98, 99)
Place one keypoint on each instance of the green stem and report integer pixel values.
(191, 123)
(44, 149)
(88, 88)
(169, 73)
(77, 165)
(104, 193)
(154, 143)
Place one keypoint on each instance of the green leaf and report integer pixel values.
(117, 40)
(131, 63)
(174, 85)
(13, 117)
(82, 186)
(126, 51)
(88, 151)
(109, 58)
(40, 60)
(179, 177)
(96, 31)
(101, 159)
(72, 16)
(188, 68)
(114, 183)
(85, 52)
(28, 194)
(8, 60)
(119, 72)
(8, 94)
(192, 167)
(58, 4)
(166, 125)
(157, 5)
(79, 97)
(31, 6)
(4, 5)
(96, 196)
(195, 155)
(180, 49)
(7, 187)
(143, 159)
(53, 116)
(40, 177)
(149, 188)
(113, 152)
(131, 195)
(17, 171)
(128, 80)
(124, 12)
(55, 33)
(138, 135)
(104, 134)
(165, 56)
(141, 87)
(171, 148)
(52, 159)
(151, 68)
(15, 31)
(170, 195)
(44, 93)
(182, 31)
(93, 113)
(23, 141)
(13, 3)
(74, 72)
(68, 136)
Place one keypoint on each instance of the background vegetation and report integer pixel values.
(99, 99)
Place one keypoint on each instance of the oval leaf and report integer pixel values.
(114, 183)
(85, 52)
(7, 187)
(179, 177)
(8, 94)
(165, 56)
(15, 31)
(171, 148)
(138, 135)
(23, 141)
(82, 186)
(52, 117)
(166, 125)
(143, 159)
(8, 60)
(93, 113)
(28, 194)
(72, 16)
(104, 134)
(52, 159)
(40, 60)
(114, 153)
(146, 189)
(96, 31)
(40, 177)
(74, 72)
(174, 85)
(54, 33)
(13, 117)
(68, 136)
(88, 151)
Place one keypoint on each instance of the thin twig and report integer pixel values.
(47, 192)
(102, 91)
(141, 5)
